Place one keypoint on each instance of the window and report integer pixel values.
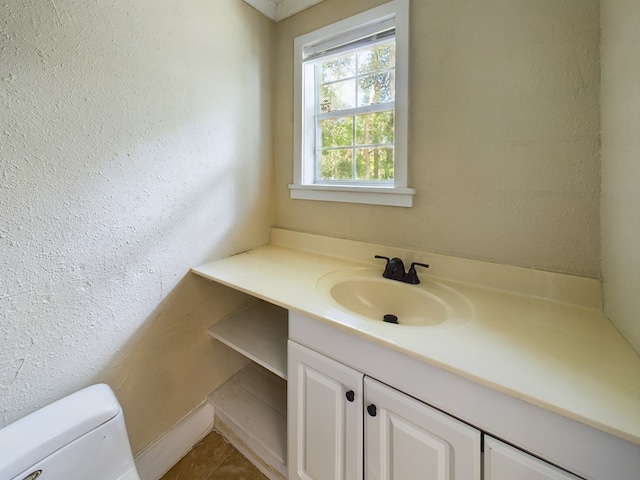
(351, 96)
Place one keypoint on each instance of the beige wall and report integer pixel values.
(135, 143)
(620, 210)
(504, 126)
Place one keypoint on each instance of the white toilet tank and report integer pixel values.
(82, 436)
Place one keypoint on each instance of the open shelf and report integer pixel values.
(260, 333)
(251, 407)
(251, 413)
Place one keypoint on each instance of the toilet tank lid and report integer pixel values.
(39, 434)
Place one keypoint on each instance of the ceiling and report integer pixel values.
(280, 9)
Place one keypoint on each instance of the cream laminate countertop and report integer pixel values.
(564, 357)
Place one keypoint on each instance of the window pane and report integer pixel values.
(381, 57)
(337, 132)
(375, 128)
(374, 163)
(376, 88)
(337, 165)
(338, 96)
(338, 68)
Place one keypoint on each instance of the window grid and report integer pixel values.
(366, 29)
(352, 113)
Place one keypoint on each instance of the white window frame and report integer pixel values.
(396, 14)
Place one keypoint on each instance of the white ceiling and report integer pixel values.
(281, 9)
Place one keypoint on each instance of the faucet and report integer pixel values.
(394, 270)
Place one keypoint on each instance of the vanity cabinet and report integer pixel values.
(407, 439)
(341, 422)
(504, 462)
(517, 371)
(325, 421)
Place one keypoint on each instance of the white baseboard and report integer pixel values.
(156, 460)
(250, 413)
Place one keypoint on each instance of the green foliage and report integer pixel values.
(360, 146)
(337, 68)
(337, 164)
(375, 128)
(381, 57)
(337, 132)
(379, 86)
(338, 96)
(374, 163)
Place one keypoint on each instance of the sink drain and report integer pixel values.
(390, 318)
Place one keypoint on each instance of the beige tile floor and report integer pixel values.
(214, 459)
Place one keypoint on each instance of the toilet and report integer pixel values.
(78, 437)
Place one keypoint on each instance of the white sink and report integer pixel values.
(364, 292)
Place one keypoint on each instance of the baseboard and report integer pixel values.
(250, 410)
(271, 467)
(158, 458)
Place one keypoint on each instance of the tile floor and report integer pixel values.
(214, 459)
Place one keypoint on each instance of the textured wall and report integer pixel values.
(504, 124)
(620, 210)
(134, 144)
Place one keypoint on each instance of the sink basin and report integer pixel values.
(365, 293)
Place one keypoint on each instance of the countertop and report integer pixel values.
(556, 352)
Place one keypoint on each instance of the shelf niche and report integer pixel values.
(251, 407)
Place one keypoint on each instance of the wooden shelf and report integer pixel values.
(260, 333)
(251, 408)
(251, 413)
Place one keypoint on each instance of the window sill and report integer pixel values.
(389, 196)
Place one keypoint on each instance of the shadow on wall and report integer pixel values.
(173, 352)
(138, 146)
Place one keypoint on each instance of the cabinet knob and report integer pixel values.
(351, 396)
(373, 411)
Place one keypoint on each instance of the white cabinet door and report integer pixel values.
(324, 417)
(406, 439)
(503, 462)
